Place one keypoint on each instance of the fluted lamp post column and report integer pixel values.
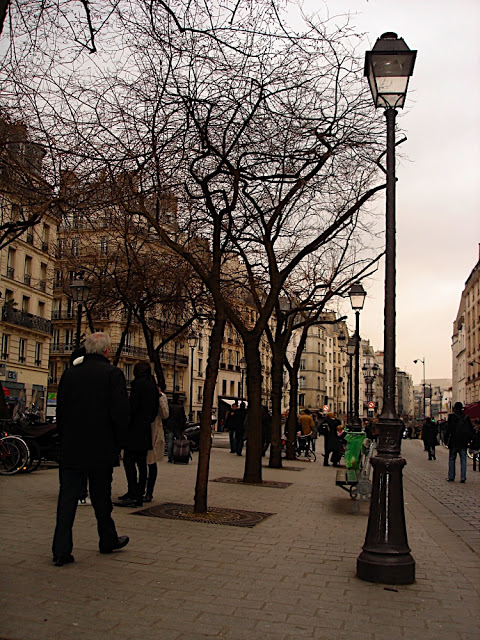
(192, 343)
(386, 555)
(79, 290)
(357, 296)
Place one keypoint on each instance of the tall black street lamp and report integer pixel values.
(79, 290)
(192, 343)
(424, 394)
(386, 555)
(357, 299)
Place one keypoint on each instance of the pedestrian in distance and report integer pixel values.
(332, 441)
(240, 424)
(92, 418)
(429, 437)
(175, 424)
(307, 425)
(143, 411)
(230, 427)
(459, 434)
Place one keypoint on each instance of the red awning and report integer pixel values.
(472, 410)
(6, 392)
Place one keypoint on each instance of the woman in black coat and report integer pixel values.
(143, 411)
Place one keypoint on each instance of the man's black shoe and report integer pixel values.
(129, 503)
(126, 496)
(121, 542)
(59, 562)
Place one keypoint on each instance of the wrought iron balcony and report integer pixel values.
(24, 319)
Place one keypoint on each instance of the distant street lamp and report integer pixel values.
(424, 394)
(192, 343)
(243, 366)
(370, 372)
(357, 296)
(386, 555)
(79, 290)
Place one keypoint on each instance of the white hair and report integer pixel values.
(97, 342)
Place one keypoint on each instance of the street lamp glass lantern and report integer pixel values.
(243, 364)
(357, 296)
(351, 346)
(79, 289)
(388, 67)
(192, 340)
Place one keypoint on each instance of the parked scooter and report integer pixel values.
(192, 433)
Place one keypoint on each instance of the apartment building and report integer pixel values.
(466, 342)
(26, 270)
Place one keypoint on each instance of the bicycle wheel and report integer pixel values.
(35, 455)
(10, 458)
(23, 449)
(312, 456)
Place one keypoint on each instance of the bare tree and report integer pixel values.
(263, 134)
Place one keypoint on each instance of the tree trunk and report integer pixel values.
(253, 460)
(292, 415)
(201, 486)
(277, 385)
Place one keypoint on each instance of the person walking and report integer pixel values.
(458, 436)
(175, 424)
(92, 419)
(143, 411)
(332, 441)
(230, 427)
(307, 426)
(157, 452)
(240, 426)
(429, 437)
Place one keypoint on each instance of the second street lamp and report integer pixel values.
(424, 394)
(357, 296)
(386, 555)
(79, 290)
(192, 343)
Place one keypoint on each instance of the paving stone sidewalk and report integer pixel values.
(288, 578)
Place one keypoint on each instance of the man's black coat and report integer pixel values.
(92, 414)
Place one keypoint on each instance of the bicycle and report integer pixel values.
(14, 455)
(303, 446)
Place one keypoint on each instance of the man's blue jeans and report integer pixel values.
(452, 456)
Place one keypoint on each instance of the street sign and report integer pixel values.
(371, 405)
(326, 408)
(11, 375)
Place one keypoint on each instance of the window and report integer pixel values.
(232, 387)
(302, 365)
(27, 277)
(104, 246)
(42, 285)
(200, 393)
(127, 370)
(302, 382)
(200, 342)
(5, 346)
(56, 338)
(200, 367)
(41, 309)
(224, 387)
(301, 400)
(11, 263)
(229, 357)
(75, 247)
(25, 304)
(22, 349)
(69, 339)
(38, 353)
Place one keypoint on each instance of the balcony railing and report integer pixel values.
(62, 315)
(27, 320)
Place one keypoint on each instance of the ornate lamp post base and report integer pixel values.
(386, 555)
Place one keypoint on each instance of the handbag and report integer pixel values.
(163, 410)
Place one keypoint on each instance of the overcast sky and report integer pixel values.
(438, 188)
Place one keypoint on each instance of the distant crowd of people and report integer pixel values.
(97, 420)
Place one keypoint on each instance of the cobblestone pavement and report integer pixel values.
(289, 578)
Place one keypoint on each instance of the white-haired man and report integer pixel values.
(92, 418)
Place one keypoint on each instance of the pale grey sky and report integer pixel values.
(438, 189)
